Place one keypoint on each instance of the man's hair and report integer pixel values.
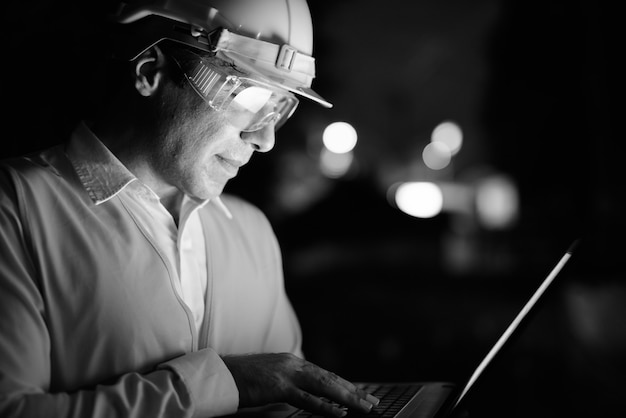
(117, 74)
(177, 57)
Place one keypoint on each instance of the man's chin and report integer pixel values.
(209, 192)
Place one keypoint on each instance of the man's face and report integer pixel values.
(198, 149)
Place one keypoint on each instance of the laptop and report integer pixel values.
(424, 399)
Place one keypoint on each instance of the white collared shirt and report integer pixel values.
(92, 295)
(184, 245)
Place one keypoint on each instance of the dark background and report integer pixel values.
(535, 87)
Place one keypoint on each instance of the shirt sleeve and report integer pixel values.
(207, 379)
(193, 385)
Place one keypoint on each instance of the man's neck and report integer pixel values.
(120, 144)
(173, 203)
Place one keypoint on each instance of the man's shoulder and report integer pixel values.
(238, 203)
(243, 209)
(38, 173)
(249, 229)
(245, 216)
(37, 163)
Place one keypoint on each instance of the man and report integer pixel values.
(128, 286)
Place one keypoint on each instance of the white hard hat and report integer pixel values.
(272, 39)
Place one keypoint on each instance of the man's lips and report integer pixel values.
(231, 165)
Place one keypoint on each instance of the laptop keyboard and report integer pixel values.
(392, 397)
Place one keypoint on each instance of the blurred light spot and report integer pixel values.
(335, 165)
(497, 202)
(436, 155)
(339, 137)
(457, 197)
(448, 133)
(419, 199)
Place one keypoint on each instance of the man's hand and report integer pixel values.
(268, 378)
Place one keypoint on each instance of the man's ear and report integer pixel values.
(149, 71)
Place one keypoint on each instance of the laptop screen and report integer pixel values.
(516, 322)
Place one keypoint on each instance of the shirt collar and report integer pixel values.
(103, 175)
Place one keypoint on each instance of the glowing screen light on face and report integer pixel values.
(339, 137)
(419, 199)
(253, 98)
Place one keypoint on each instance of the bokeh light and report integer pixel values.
(448, 133)
(497, 202)
(339, 137)
(419, 199)
(335, 165)
(436, 155)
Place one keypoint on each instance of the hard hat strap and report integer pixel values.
(285, 57)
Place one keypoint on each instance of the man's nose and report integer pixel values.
(262, 140)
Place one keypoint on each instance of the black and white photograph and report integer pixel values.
(312, 208)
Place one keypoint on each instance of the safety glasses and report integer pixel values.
(249, 104)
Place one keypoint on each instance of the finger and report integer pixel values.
(305, 400)
(337, 389)
(359, 392)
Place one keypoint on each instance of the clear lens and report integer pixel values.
(251, 104)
